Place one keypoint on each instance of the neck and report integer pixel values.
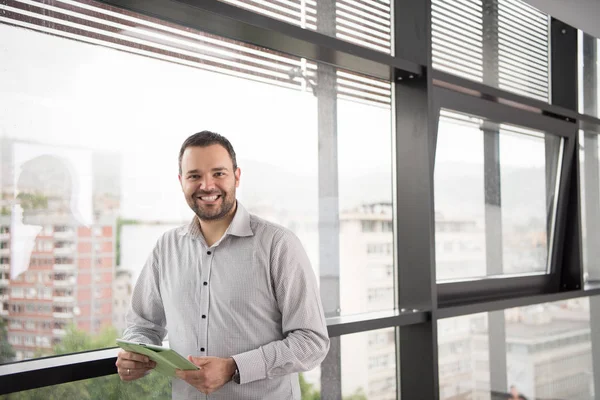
(214, 230)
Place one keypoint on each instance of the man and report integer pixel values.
(234, 291)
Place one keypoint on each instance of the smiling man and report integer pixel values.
(235, 292)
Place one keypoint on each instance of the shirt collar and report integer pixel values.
(239, 226)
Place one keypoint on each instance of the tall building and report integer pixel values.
(548, 348)
(58, 241)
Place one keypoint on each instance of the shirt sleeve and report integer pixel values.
(145, 318)
(306, 340)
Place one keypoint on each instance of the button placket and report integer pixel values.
(207, 257)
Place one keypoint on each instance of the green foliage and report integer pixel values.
(120, 223)
(6, 351)
(32, 201)
(308, 392)
(153, 386)
(5, 211)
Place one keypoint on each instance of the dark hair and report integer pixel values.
(204, 139)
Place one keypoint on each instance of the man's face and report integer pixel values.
(208, 181)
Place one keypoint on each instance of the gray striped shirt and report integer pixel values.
(252, 296)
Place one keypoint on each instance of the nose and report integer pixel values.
(207, 183)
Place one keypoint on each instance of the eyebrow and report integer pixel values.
(216, 169)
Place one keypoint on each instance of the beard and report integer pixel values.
(212, 213)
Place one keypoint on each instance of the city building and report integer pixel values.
(58, 241)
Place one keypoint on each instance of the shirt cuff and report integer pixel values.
(251, 366)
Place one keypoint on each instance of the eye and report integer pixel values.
(193, 176)
(219, 173)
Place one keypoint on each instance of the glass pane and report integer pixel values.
(502, 43)
(589, 154)
(368, 368)
(463, 360)
(363, 22)
(588, 74)
(538, 352)
(491, 197)
(153, 386)
(89, 162)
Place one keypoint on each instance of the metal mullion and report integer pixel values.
(567, 253)
(474, 307)
(345, 325)
(459, 84)
(56, 370)
(329, 221)
(505, 113)
(236, 23)
(413, 207)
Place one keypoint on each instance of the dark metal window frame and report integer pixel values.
(419, 92)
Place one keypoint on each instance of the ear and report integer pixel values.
(238, 174)
(180, 182)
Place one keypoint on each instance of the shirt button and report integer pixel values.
(205, 283)
(201, 348)
(209, 253)
(204, 316)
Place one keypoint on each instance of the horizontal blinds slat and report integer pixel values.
(452, 67)
(519, 90)
(520, 50)
(358, 35)
(474, 5)
(509, 27)
(470, 45)
(100, 24)
(443, 13)
(522, 9)
(441, 25)
(523, 59)
(452, 9)
(517, 65)
(383, 8)
(468, 55)
(380, 18)
(356, 40)
(363, 22)
(449, 59)
(374, 30)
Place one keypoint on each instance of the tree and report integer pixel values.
(7, 354)
(153, 386)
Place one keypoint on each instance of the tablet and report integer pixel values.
(167, 360)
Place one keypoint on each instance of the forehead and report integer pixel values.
(196, 157)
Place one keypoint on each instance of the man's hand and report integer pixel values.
(132, 366)
(214, 372)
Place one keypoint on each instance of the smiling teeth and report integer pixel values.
(209, 198)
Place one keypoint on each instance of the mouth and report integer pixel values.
(209, 199)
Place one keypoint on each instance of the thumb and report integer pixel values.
(198, 361)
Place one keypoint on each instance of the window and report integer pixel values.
(503, 43)
(543, 344)
(491, 189)
(275, 90)
(365, 22)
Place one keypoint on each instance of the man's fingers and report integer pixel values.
(199, 361)
(130, 374)
(129, 355)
